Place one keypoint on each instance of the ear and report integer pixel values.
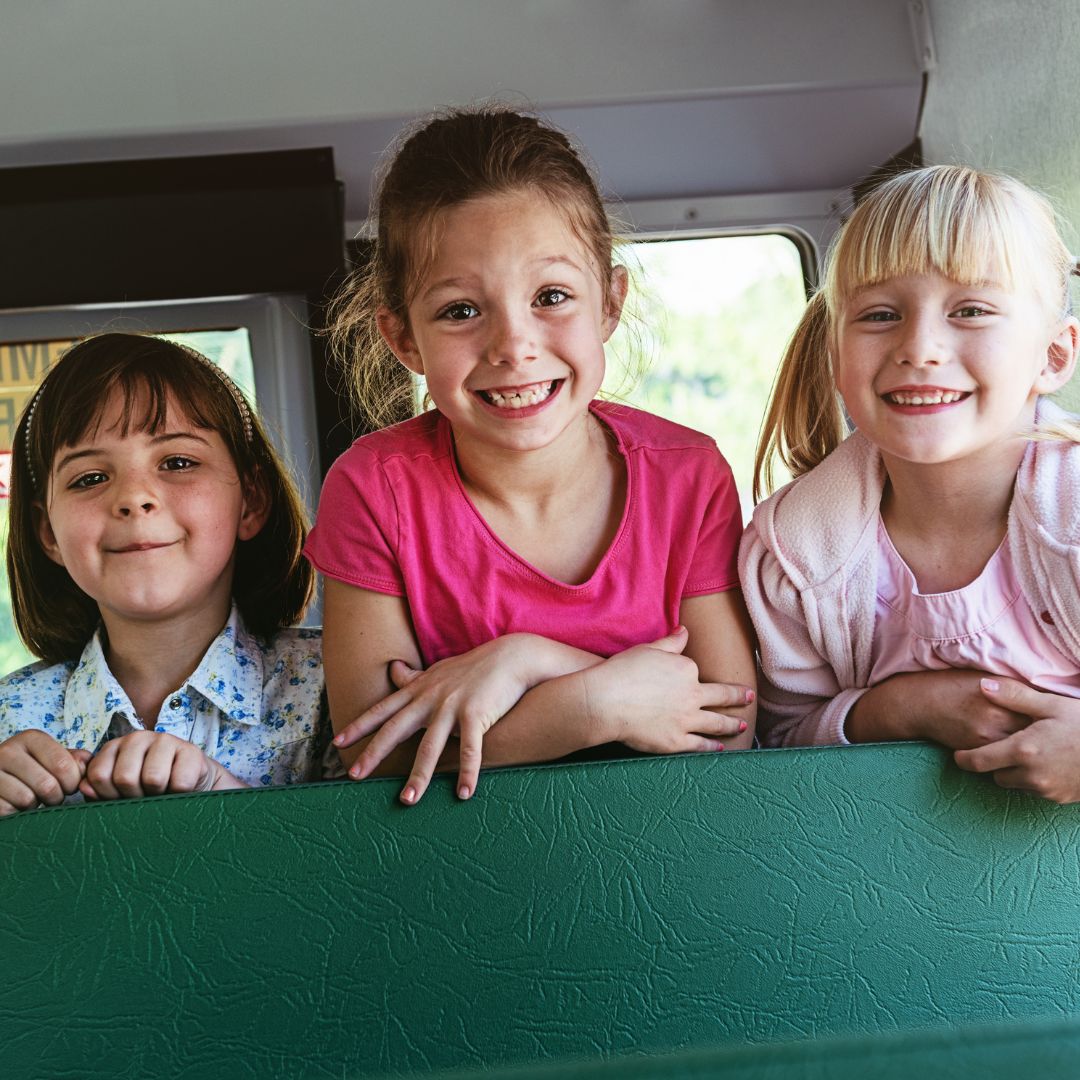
(254, 511)
(616, 297)
(1061, 356)
(398, 337)
(46, 536)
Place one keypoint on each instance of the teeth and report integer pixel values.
(520, 399)
(927, 397)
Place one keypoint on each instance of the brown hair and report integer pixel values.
(947, 219)
(447, 160)
(272, 583)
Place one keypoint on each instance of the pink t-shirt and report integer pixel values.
(394, 518)
(985, 626)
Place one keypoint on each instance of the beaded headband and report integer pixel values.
(234, 391)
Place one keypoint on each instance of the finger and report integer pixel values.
(372, 719)
(394, 732)
(1020, 698)
(427, 758)
(158, 764)
(401, 674)
(726, 695)
(191, 770)
(991, 757)
(711, 723)
(6, 809)
(701, 744)
(16, 793)
(31, 782)
(82, 758)
(59, 763)
(99, 773)
(470, 754)
(1015, 779)
(674, 642)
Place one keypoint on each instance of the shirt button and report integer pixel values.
(176, 702)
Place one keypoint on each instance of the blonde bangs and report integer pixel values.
(948, 220)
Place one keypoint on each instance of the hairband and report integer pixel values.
(234, 391)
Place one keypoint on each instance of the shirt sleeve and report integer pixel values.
(356, 534)
(715, 564)
(800, 701)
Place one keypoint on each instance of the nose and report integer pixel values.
(511, 338)
(920, 343)
(134, 495)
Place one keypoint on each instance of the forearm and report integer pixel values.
(888, 712)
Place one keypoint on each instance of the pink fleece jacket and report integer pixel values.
(808, 564)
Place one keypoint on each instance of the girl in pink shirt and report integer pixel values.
(524, 567)
(921, 578)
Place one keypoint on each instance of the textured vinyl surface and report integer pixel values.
(643, 906)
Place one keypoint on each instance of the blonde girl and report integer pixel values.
(921, 577)
(154, 558)
(524, 567)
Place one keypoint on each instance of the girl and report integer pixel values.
(154, 561)
(523, 544)
(923, 580)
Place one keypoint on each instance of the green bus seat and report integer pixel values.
(577, 911)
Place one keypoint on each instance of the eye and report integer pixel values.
(87, 480)
(971, 311)
(459, 311)
(552, 297)
(178, 463)
(879, 317)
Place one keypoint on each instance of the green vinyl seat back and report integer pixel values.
(564, 913)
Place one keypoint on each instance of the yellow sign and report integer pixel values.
(23, 364)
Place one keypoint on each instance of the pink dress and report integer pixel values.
(394, 517)
(985, 626)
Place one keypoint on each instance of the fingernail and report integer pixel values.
(719, 747)
(750, 695)
(339, 739)
(408, 796)
(991, 685)
(743, 725)
(354, 773)
(464, 792)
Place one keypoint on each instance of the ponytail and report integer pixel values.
(805, 422)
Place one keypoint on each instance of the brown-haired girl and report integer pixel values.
(155, 565)
(920, 578)
(535, 570)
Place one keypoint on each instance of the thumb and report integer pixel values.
(674, 642)
(82, 759)
(1017, 697)
(401, 674)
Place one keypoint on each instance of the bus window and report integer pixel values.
(709, 318)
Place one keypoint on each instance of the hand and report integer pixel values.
(947, 707)
(465, 694)
(653, 696)
(36, 769)
(1043, 757)
(150, 763)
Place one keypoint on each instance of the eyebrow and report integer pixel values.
(464, 282)
(156, 440)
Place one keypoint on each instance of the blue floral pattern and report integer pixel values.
(257, 709)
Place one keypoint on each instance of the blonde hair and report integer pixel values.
(946, 219)
(446, 160)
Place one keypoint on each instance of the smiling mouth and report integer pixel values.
(927, 396)
(519, 397)
(129, 549)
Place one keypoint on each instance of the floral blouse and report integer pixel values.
(259, 710)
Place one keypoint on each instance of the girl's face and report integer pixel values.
(934, 371)
(146, 525)
(508, 326)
